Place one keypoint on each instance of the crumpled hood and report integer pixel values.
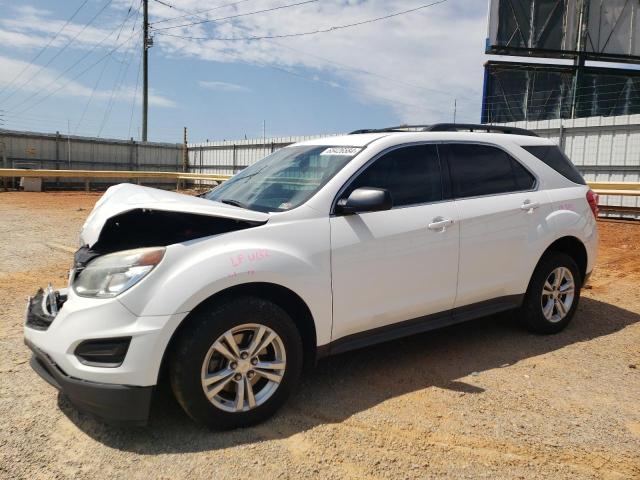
(127, 197)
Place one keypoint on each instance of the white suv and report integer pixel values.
(321, 247)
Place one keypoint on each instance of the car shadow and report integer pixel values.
(344, 385)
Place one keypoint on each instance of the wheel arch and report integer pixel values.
(573, 247)
(285, 298)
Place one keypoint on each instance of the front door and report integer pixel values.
(398, 264)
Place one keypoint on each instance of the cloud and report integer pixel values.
(33, 28)
(222, 86)
(416, 64)
(30, 27)
(47, 81)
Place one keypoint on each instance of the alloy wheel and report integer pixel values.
(558, 293)
(243, 368)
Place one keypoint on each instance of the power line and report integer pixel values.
(100, 60)
(298, 34)
(28, 116)
(135, 94)
(93, 92)
(43, 49)
(87, 54)
(116, 88)
(121, 75)
(272, 9)
(196, 14)
(61, 50)
(347, 67)
(173, 7)
(95, 87)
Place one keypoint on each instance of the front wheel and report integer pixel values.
(236, 364)
(553, 294)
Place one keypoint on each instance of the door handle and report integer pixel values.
(440, 223)
(529, 206)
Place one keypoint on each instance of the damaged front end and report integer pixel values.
(81, 336)
(131, 216)
(128, 218)
(141, 228)
(43, 307)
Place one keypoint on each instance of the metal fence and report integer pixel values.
(60, 152)
(229, 157)
(602, 148)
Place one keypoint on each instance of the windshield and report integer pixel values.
(285, 179)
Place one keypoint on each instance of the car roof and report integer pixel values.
(398, 138)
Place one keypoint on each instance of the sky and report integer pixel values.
(73, 66)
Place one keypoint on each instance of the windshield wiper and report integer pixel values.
(235, 203)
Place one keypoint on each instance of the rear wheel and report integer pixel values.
(553, 294)
(236, 364)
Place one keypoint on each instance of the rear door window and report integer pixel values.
(553, 157)
(477, 170)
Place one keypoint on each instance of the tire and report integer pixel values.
(194, 361)
(559, 310)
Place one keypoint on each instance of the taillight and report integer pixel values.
(592, 198)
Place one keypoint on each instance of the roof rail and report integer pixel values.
(452, 127)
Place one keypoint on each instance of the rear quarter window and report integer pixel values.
(553, 157)
(478, 170)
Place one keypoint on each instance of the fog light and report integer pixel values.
(104, 352)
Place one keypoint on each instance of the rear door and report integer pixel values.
(502, 222)
(398, 264)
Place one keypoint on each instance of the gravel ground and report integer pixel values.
(480, 400)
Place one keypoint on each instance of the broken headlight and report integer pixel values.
(112, 274)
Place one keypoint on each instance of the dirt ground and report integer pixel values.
(479, 400)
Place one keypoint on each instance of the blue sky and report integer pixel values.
(408, 69)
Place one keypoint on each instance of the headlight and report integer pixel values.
(112, 274)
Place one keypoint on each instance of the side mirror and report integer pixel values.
(365, 199)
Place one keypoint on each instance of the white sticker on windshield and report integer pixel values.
(341, 151)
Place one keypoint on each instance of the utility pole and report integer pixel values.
(145, 67)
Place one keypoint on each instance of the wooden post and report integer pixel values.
(234, 160)
(3, 148)
(57, 180)
(185, 157)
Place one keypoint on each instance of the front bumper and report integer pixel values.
(116, 393)
(81, 319)
(110, 402)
